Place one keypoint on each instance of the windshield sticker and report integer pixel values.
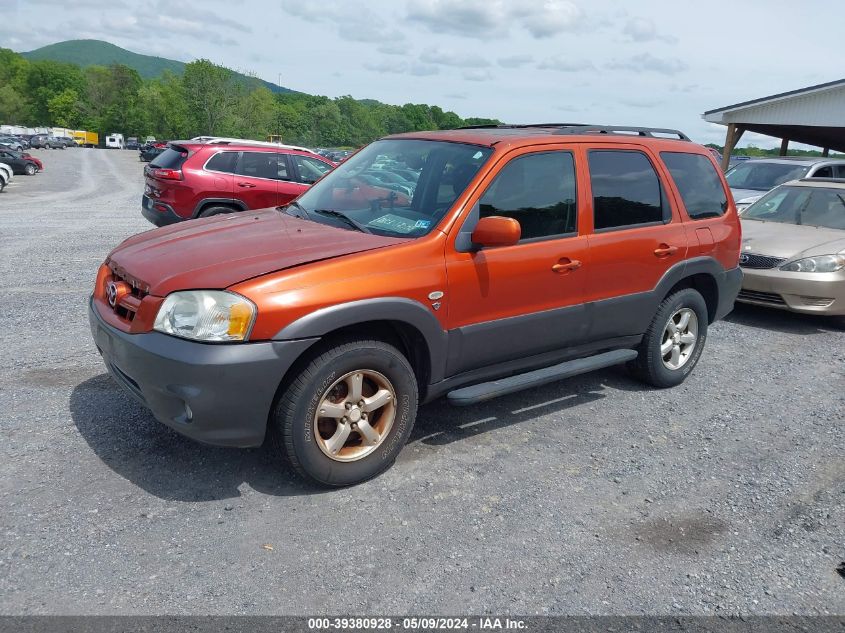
(397, 223)
(422, 224)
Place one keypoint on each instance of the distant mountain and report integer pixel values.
(99, 53)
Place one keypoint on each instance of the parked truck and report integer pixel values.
(85, 139)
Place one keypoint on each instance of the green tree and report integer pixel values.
(211, 94)
(44, 80)
(65, 108)
(14, 108)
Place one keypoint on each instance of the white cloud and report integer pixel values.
(515, 61)
(494, 18)
(446, 57)
(353, 22)
(565, 65)
(476, 74)
(644, 30)
(552, 17)
(646, 62)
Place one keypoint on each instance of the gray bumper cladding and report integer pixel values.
(214, 393)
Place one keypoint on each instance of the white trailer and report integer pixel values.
(115, 141)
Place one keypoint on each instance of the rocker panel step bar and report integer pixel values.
(474, 394)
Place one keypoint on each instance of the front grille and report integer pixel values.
(752, 260)
(128, 306)
(761, 297)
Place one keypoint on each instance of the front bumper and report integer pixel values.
(213, 393)
(160, 217)
(809, 293)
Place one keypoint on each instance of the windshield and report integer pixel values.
(811, 206)
(397, 188)
(763, 176)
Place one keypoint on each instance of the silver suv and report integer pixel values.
(751, 179)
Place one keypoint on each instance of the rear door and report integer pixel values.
(637, 236)
(257, 179)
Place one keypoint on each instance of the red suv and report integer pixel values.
(195, 179)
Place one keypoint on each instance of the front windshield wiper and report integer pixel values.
(342, 216)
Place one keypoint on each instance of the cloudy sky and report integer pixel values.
(649, 62)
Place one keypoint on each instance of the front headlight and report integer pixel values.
(206, 315)
(817, 264)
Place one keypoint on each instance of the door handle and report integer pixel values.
(566, 266)
(664, 250)
(245, 184)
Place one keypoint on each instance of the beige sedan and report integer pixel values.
(793, 248)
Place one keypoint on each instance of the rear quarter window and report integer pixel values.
(698, 183)
(223, 162)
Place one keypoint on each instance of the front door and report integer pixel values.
(305, 171)
(515, 301)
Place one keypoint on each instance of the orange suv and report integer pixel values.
(472, 262)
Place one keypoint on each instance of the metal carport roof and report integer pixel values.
(814, 115)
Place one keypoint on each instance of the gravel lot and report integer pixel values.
(594, 495)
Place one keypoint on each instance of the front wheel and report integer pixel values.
(347, 414)
(673, 343)
(30, 170)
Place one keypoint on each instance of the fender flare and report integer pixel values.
(412, 313)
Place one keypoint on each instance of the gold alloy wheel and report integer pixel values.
(679, 338)
(354, 416)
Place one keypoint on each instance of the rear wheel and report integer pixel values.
(347, 414)
(210, 211)
(29, 169)
(673, 343)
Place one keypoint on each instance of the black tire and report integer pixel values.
(30, 169)
(210, 211)
(293, 429)
(649, 365)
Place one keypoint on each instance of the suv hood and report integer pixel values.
(220, 251)
(777, 239)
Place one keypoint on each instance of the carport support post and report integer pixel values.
(784, 146)
(735, 132)
(825, 152)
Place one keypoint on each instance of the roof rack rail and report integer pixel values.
(223, 140)
(512, 126)
(583, 128)
(624, 130)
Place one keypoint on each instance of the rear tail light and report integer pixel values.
(166, 174)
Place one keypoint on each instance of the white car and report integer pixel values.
(5, 175)
(751, 179)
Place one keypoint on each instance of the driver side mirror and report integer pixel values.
(496, 230)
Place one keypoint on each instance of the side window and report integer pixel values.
(310, 170)
(698, 183)
(824, 172)
(538, 191)
(626, 190)
(258, 165)
(224, 161)
(840, 171)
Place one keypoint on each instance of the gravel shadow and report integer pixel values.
(130, 441)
